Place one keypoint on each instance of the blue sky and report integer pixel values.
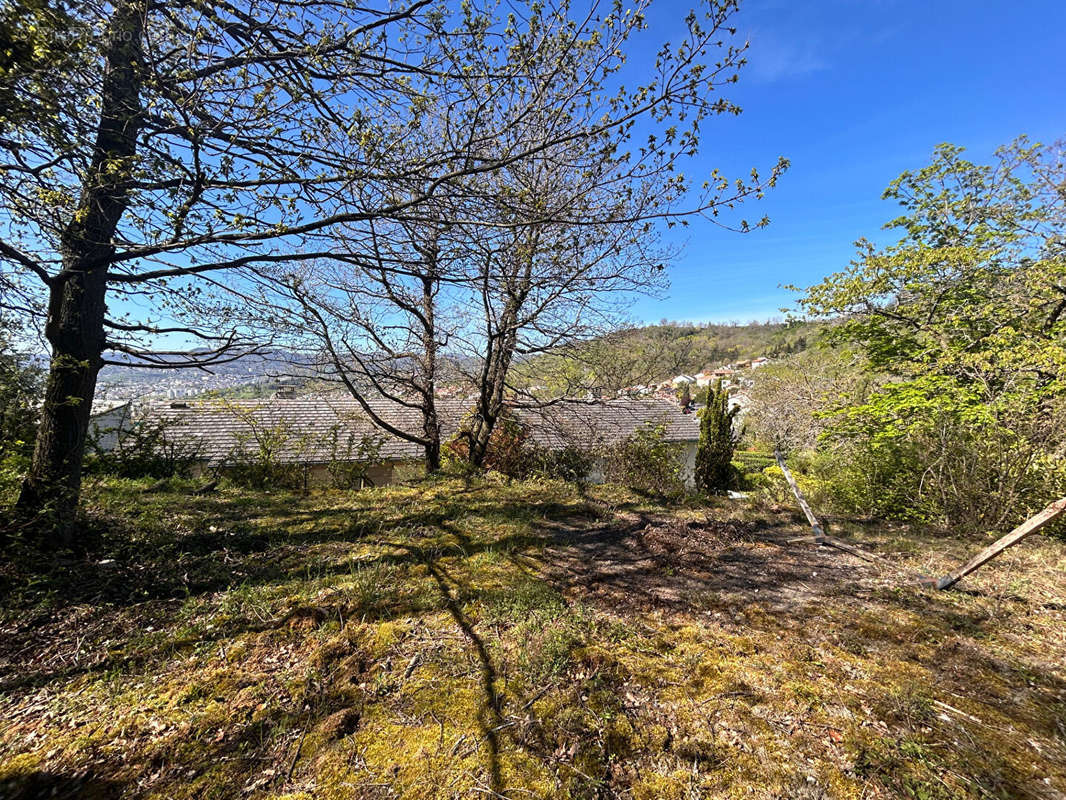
(853, 92)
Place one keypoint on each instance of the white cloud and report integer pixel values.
(772, 57)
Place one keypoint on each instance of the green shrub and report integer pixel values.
(453, 461)
(714, 456)
(351, 458)
(12, 469)
(647, 462)
(512, 453)
(571, 463)
(144, 449)
(507, 453)
(960, 326)
(967, 476)
(267, 457)
(749, 466)
(772, 486)
(260, 470)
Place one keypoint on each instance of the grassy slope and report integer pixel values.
(410, 643)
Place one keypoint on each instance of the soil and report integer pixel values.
(665, 563)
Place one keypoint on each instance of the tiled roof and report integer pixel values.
(307, 427)
(594, 424)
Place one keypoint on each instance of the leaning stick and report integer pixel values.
(1030, 526)
(816, 526)
(820, 536)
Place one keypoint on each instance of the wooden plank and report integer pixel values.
(1030, 526)
(816, 526)
(820, 536)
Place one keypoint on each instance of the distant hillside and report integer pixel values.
(693, 347)
(657, 352)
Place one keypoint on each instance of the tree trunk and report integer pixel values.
(430, 422)
(75, 332)
(77, 303)
(432, 457)
(493, 385)
(502, 341)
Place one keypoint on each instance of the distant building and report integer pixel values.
(219, 430)
(740, 401)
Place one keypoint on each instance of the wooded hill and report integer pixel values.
(691, 347)
(655, 353)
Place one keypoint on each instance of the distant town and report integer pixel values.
(259, 378)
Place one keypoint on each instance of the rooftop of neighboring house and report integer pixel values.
(318, 430)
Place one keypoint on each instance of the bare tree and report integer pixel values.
(181, 145)
(189, 135)
(568, 230)
(544, 288)
(793, 399)
(540, 246)
(375, 322)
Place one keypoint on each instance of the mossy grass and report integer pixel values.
(434, 641)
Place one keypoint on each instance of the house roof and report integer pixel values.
(303, 430)
(101, 407)
(596, 424)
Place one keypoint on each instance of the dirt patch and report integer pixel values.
(663, 562)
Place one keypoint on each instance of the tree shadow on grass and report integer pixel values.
(650, 563)
(45, 785)
(489, 717)
(755, 580)
(133, 562)
(147, 583)
(19, 674)
(627, 566)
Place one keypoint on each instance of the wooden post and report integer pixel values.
(820, 536)
(1030, 526)
(816, 526)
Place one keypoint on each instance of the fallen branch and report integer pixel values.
(1030, 526)
(820, 536)
(299, 747)
(956, 711)
(816, 526)
(829, 541)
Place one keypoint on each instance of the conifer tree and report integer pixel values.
(714, 456)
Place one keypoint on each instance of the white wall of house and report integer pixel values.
(106, 426)
(688, 468)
